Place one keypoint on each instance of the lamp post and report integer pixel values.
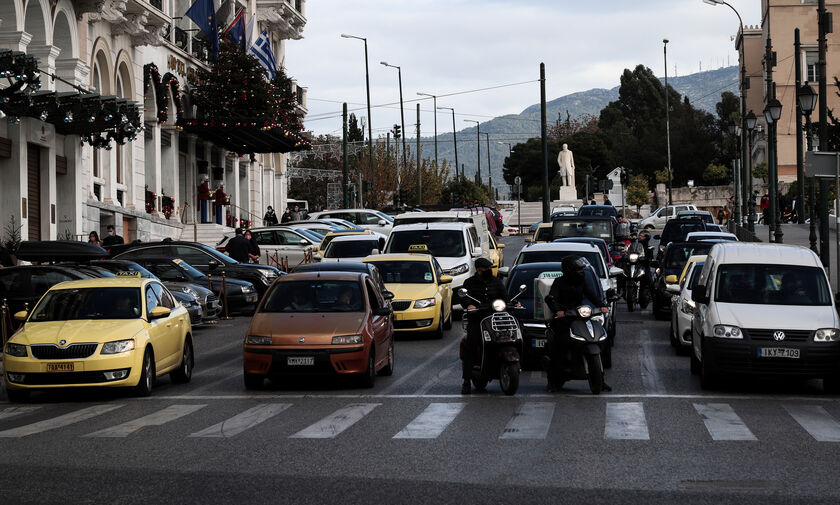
(489, 168)
(367, 87)
(402, 122)
(667, 121)
(510, 147)
(807, 98)
(478, 152)
(454, 138)
(434, 101)
(772, 113)
(735, 131)
(750, 121)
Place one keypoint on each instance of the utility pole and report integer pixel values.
(489, 169)
(344, 175)
(825, 252)
(544, 134)
(668, 123)
(768, 73)
(800, 172)
(419, 169)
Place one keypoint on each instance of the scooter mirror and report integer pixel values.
(522, 287)
(462, 292)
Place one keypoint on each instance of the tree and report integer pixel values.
(637, 191)
(760, 171)
(715, 175)
(661, 176)
(354, 133)
(462, 192)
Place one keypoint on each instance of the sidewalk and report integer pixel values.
(798, 234)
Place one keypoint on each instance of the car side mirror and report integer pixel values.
(698, 295)
(504, 271)
(671, 279)
(476, 251)
(445, 279)
(382, 311)
(674, 289)
(500, 246)
(657, 236)
(616, 272)
(374, 251)
(388, 295)
(528, 239)
(522, 288)
(212, 264)
(21, 316)
(303, 242)
(159, 312)
(382, 222)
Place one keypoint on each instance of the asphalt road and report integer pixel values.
(657, 438)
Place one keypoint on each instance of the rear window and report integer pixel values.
(597, 229)
(351, 248)
(314, 296)
(598, 211)
(771, 285)
(406, 272)
(593, 257)
(678, 255)
(440, 243)
(675, 231)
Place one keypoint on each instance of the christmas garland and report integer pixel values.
(152, 77)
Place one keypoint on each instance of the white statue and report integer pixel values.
(566, 160)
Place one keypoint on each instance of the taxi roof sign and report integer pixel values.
(418, 248)
(127, 273)
(550, 275)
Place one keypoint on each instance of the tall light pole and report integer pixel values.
(489, 168)
(807, 102)
(667, 122)
(434, 101)
(402, 121)
(750, 121)
(478, 143)
(772, 113)
(454, 138)
(367, 87)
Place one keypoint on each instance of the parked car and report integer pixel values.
(280, 242)
(22, 286)
(320, 323)
(765, 309)
(368, 219)
(660, 216)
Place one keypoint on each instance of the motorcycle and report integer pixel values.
(501, 343)
(587, 341)
(636, 280)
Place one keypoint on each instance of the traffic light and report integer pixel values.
(625, 177)
(367, 185)
(397, 133)
(403, 197)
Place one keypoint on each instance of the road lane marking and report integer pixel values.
(242, 421)
(423, 365)
(335, 423)
(816, 421)
(158, 418)
(11, 412)
(58, 422)
(722, 422)
(626, 421)
(432, 421)
(530, 421)
(491, 395)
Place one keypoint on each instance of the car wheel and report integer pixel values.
(672, 335)
(254, 381)
(388, 370)
(183, 373)
(18, 395)
(448, 324)
(695, 363)
(708, 378)
(147, 376)
(831, 385)
(369, 375)
(438, 333)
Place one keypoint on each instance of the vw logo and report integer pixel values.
(301, 339)
(62, 342)
(778, 335)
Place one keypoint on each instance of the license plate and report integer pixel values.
(304, 361)
(777, 352)
(538, 343)
(59, 367)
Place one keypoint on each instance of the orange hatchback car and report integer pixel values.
(320, 323)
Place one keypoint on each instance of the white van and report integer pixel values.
(764, 309)
(660, 216)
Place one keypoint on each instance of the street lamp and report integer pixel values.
(489, 168)
(772, 113)
(750, 121)
(434, 101)
(735, 131)
(667, 121)
(454, 138)
(807, 104)
(478, 142)
(402, 121)
(367, 87)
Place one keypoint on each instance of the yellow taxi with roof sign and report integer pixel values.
(123, 331)
(422, 292)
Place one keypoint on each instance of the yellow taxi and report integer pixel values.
(330, 236)
(495, 253)
(422, 293)
(117, 332)
(541, 235)
(691, 259)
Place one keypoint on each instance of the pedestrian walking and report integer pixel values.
(270, 217)
(112, 238)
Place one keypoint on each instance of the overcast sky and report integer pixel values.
(451, 46)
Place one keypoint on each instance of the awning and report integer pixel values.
(244, 136)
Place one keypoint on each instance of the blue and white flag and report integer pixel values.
(262, 51)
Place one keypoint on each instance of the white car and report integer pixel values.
(710, 235)
(764, 309)
(368, 219)
(279, 242)
(660, 216)
(352, 248)
(452, 244)
(682, 306)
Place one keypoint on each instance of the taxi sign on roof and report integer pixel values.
(550, 275)
(127, 274)
(418, 248)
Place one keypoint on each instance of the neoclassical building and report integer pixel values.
(108, 61)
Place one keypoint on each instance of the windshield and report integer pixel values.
(188, 269)
(351, 248)
(598, 211)
(676, 231)
(593, 257)
(314, 296)
(695, 274)
(597, 229)
(543, 234)
(771, 285)
(441, 243)
(88, 303)
(406, 272)
(526, 275)
(678, 255)
(386, 217)
(311, 234)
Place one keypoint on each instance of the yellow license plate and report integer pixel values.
(59, 367)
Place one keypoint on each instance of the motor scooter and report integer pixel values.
(501, 343)
(585, 343)
(636, 281)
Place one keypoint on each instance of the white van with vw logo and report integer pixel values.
(764, 309)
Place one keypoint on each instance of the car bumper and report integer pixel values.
(274, 361)
(741, 357)
(30, 373)
(417, 319)
(242, 301)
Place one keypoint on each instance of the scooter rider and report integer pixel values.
(485, 288)
(566, 295)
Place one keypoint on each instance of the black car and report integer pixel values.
(584, 226)
(22, 286)
(675, 231)
(674, 258)
(348, 266)
(241, 295)
(203, 258)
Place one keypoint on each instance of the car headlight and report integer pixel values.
(247, 289)
(423, 303)
(17, 350)
(257, 340)
(347, 339)
(117, 346)
(584, 311)
(827, 335)
(633, 257)
(499, 305)
(190, 291)
(687, 306)
(726, 331)
(458, 270)
(268, 274)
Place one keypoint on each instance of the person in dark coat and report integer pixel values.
(270, 217)
(112, 238)
(221, 199)
(287, 216)
(253, 247)
(204, 197)
(238, 247)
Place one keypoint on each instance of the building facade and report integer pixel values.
(57, 185)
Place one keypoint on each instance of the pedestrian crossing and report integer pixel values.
(530, 420)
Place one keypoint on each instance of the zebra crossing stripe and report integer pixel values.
(722, 422)
(332, 425)
(530, 421)
(58, 422)
(816, 421)
(11, 412)
(158, 418)
(242, 421)
(626, 421)
(432, 421)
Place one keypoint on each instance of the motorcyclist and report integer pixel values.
(566, 295)
(484, 288)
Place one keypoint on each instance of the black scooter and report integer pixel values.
(585, 343)
(501, 343)
(636, 281)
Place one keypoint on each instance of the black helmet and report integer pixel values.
(483, 263)
(571, 264)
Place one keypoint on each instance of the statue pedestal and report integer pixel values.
(568, 194)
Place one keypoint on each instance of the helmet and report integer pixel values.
(572, 264)
(483, 263)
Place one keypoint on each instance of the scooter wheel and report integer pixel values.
(596, 373)
(480, 384)
(509, 378)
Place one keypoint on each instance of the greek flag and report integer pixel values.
(262, 51)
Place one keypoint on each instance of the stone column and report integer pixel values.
(13, 180)
(16, 41)
(46, 55)
(72, 69)
(152, 163)
(236, 193)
